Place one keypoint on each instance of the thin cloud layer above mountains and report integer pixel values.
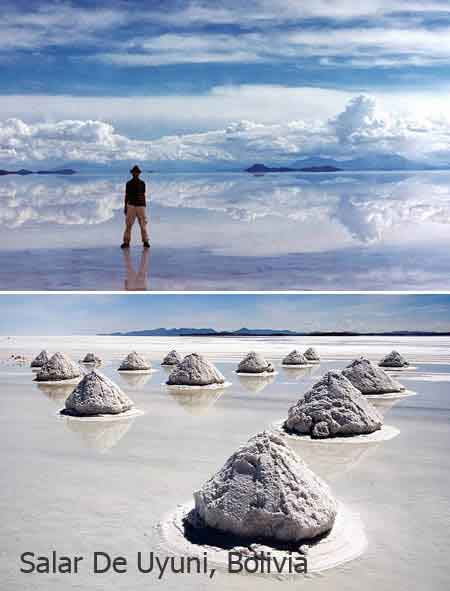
(361, 129)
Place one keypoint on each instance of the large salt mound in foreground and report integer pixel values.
(195, 370)
(394, 359)
(265, 491)
(311, 354)
(370, 379)
(172, 358)
(97, 395)
(295, 358)
(134, 362)
(40, 359)
(58, 367)
(333, 407)
(254, 363)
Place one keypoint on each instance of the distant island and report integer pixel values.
(266, 332)
(25, 172)
(372, 162)
(262, 169)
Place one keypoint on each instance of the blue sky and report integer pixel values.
(173, 80)
(90, 314)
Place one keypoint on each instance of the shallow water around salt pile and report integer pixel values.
(82, 488)
(209, 231)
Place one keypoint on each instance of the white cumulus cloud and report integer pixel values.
(361, 129)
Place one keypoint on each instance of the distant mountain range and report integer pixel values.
(374, 162)
(262, 332)
(262, 169)
(25, 172)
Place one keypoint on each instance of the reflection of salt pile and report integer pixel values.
(312, 355)
(264, 491)
(298, 372)
(134, 362)
(58, 368)
(254, 363)
(56, 392)
(99, 435)
(136, 379)
(40, 359)
(370, 379)
(255, 383)
(91, 359)
(97, 395)
(394, 359)
(295, 358)
(331, 458)
(195, 370)
(172, 358)
(333, 407)
(196, 402)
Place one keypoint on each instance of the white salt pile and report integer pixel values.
(40, 359)
(254, 363)
(195, 370)
(91, 358)
(295, 358)
(134, 362)
(394, 359)
(97, 395)
(59, 367)
(265, 491)
(311, 354)
(333, 407)
(370, 379)
(172, 358)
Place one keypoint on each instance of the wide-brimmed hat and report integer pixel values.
(135, 169)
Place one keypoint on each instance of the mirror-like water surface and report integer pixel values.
(229, 231)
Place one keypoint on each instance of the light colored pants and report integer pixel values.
(133, 212)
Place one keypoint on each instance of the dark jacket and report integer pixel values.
(135, 192)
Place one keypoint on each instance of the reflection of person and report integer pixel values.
(136, 281)
(135, 207)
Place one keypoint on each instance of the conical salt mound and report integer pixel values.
(91, 358)
(295, 358)
(254, 363)
(195, 370)
(40, 359)
(59, 367)
(370, 379)
(333, 407)
(134, 361)
(172, 358)
(394, 359)
(311, 354)
(97, 395)
(265, 491)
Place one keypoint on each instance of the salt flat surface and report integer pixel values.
(281, 231)
(433, 350)
(81, 487)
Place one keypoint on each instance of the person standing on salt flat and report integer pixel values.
(135, 207)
